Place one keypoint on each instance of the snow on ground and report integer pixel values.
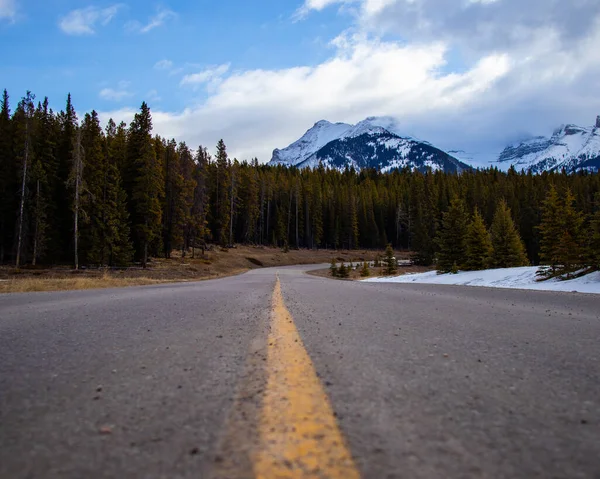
(517, 278)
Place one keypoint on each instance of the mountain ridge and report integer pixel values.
(371, 143)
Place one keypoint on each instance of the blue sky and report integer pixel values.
(463, 74)
(105, 47)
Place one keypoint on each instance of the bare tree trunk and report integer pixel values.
(23, 183)
(37, 222)
(78, 178)
(289, 221)
(297, 234)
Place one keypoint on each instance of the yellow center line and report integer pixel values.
(299, 436)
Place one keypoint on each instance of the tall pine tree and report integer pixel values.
(508, 248)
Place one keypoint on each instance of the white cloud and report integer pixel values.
(8, 9)
(476, 89)
(162, 16)
(163, 65)
(83, 21)
(116, 94)
(258, 110)
(210, 76)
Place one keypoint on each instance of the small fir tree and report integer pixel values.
(389, 261)
(479, 244)
(343, 272)
(508, 249)
(550, 230)
(333, 268)
(452, 237)
(593, 247)
(365, 272)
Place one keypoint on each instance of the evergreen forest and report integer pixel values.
(76, 192)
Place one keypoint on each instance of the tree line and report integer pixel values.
(75, 192)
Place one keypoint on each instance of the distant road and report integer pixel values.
(251, 376)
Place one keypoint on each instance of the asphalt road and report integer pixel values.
(424, 381)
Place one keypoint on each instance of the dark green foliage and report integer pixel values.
(365, 272)
(343, 271)
(479, 244)
(550, 230)
(593, 250)
(562, 245)
(390, 265)
(333, 268)
(452, 237)
(142, 196)
(147, 186)
(508, 249)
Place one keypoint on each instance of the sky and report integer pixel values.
(469, 75)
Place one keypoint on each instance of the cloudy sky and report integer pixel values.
(462, 74)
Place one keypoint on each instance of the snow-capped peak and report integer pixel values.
(315, 138)
(571, 147)
(371, 143)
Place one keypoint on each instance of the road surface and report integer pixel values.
(252, 376)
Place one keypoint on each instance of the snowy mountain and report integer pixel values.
(372, 143)
(571, 147)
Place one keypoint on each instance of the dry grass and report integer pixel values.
(31, 284)
(215, 264)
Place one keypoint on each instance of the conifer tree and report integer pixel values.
(571, 251)
(452, 237)
(343, 271)
(43, 173)
(333, 268)
(117, 248)
(8, 178)
(25, 111)
(147, 186)
(365, 272)
(389, 261)
(479, 244)
(61, 186)
(550, 230)
(222, 204)
(593, 252)
(508, 248)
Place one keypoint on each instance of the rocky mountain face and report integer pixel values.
(571, 147)
(376, 143)
(372, 143)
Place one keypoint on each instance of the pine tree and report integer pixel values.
(452, 237)
(8, 179)
(26, 111)
(61, 239)
(147, 187)
(333, 268)
(222, 204)
(343, 271)
(571, 250)
(117, 248)
(43, 175)
(389, 261)
(593, 251)
(508, 248)
(550, 230)
(365, 272)
(479, 244)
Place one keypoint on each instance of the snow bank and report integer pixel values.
(518, 278)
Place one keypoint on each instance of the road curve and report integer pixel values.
(183, 380)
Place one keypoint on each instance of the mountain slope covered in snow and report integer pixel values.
(372, 143)
(571, 147)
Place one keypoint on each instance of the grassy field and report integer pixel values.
(216, 263)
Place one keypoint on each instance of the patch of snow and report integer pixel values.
(515, 278)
